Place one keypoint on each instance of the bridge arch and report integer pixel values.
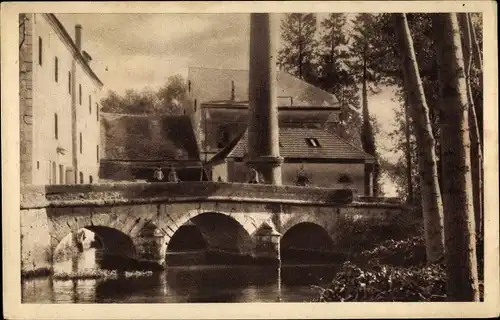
(220, 231)
(109, 241)
(305, 241)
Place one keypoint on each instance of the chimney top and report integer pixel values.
(78, 37)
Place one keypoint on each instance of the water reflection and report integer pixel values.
(291, 283)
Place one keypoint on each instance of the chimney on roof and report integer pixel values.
(78, 37)
(232, 90)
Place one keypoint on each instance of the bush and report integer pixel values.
(364, 234)
(386, 283)
(395, 270)
(404, 253)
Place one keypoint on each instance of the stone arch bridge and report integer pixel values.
(143, 221)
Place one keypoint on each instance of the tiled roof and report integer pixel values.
(208, 84)
(146, 138)
(293, 144)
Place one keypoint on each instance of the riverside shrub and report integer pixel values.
(380, 283)
(395, 270)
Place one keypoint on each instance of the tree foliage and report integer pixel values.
(169, 99)
(297, 55)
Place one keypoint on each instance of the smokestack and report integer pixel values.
(78, 37)
(263, 130)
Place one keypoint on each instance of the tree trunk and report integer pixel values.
(476, 154)
(408, 151)
(478, 62)
(300, 47)
(461, 261)
(432, 206)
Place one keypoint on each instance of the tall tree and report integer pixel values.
(335, 76)
(461, 260)
(407, 149)
(432, 205)
(297, 54)
(363, 62)
(475, 136)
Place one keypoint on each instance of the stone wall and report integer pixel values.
(36, 246)
(26, 97)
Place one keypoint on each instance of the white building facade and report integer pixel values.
(59, 105)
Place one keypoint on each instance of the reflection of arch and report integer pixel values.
(220, 230)
(307, 235)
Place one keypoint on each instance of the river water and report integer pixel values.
(180, 284)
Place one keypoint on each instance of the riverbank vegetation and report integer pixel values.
(394, 271)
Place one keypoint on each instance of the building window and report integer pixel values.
(56, 126)
(56, 69)
(189, 85)
(61, 174)
(53, 177)
(90, 104)
(223, 137)
(195, 105)
(69, 81)
(80, 94)
(97, 153)
(303, 178)
(38, 165)
(91, 179)
(97, 111)
(81, 146)
(345, 179)
(40, 48)
(81, 177)
(313, 142)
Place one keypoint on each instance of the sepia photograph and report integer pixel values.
(250, 157)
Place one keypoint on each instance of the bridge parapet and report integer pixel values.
(137, 193)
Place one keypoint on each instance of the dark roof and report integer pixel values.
(293, 144)
(149, 137)
(209, 84)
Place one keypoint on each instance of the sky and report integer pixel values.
(140, 51)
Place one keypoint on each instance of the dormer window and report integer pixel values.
(313, 142)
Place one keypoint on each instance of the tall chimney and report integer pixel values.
(263, 129)
(78, 37)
